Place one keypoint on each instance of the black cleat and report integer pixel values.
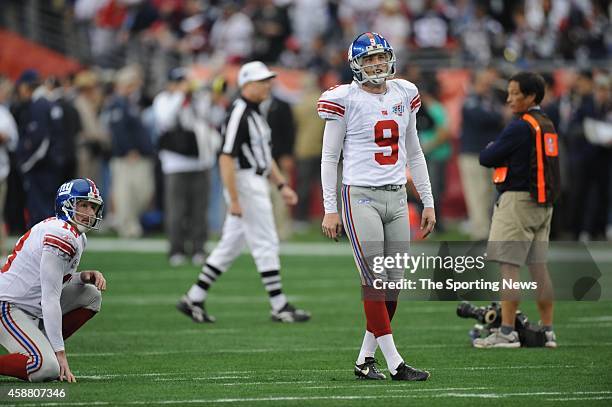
(290, 314)
(369, 370)
(408, 373)
(194, 310)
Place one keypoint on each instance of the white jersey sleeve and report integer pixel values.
(333, 139)
(60, 247)
(415, 158)
(61, 242)
(53, 268)
(332, 104)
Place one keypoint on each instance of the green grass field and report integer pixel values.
(140, 350)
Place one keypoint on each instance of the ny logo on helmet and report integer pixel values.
(65, 188)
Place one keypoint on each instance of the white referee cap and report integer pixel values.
(254, 71)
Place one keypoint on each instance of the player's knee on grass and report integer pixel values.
(92, 298)
(49, 371)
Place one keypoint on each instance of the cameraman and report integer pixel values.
(525, 157)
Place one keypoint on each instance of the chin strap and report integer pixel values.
(82, 228)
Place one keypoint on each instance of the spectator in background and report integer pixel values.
(187, 147)
(194, 28)
(59, 93)
(93, 142)
(357, 16)
(552, 107)
(234, 30)
(603, 99)
(309, 19)
(216, 100)
(589, 163)
(482, 37)
(308, 145)
(316, 59)
(39, 122)
(272, 28)
(583, 32)
(603, 119)
(8, 142)
(481, 122)
(393, 24)
(434, 134)
(543, 17)
(131, 152)
(105, 43)
(431, 28)
(84, 13)
(279, 116)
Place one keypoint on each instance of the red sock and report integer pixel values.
(391, 307)
(14, 364)
(377, 317)
(74, 320)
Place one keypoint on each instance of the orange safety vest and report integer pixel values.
(544, 175)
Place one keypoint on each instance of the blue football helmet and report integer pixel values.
(370, 43)
(80, 189)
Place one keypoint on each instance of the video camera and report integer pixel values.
(489, 320)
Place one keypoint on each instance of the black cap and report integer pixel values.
(177, 75)
(29, 76)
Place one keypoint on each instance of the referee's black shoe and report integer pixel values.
(290, 314)
(408, 373)
(194, 310)
(369, 370)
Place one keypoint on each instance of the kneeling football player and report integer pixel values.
(43, 299)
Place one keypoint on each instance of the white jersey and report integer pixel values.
(20, 277)
(379, 138)
(376, 130)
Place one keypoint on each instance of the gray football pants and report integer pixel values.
(20, 332)
(376, 223)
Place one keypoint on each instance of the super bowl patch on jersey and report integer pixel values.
(398, 109)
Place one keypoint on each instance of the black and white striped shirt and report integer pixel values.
(246, 136)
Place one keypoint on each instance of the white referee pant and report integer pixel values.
(255, 228)
(20, 331)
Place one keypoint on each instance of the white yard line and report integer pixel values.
(596, 395)
(186, 379)
(581, 398)
(233, 374)
(180, 332)
(247, 351)
(316, 349)
(266, 383)
(602, 318)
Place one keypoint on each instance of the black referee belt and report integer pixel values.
(387, 188)
(256, 171)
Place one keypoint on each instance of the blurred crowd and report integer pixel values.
(106, 129)
(313, 34)
(113, 120)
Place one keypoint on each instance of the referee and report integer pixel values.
(246, 164)
(526, 160)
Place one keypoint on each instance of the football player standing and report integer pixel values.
(43, 300)
(373, 122)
